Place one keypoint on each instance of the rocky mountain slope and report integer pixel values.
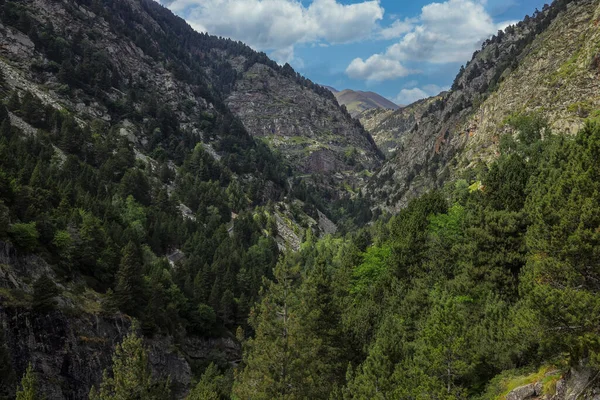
(200, 77)
(546, 64)
(307, 128)
(134, 148)
(388, 127)
(357, 101)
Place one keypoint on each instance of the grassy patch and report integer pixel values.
(508, 381)
(581, 108)
(88, 302)
(566, 70)
(15, 297)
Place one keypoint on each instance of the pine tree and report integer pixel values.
(32, 109)
(227, 307)
(70, 136)
(28, 389)
(210, 385)
(6, 129)
(14, 102)
(3, 113)
(319, 331)
(131, 377)
(274, 366)
(45, 292)
(128, 294)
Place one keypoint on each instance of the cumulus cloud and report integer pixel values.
(397, 28)
(448, 32)
(376, 68)
(278, 25)
(444, 32)
(410, 95)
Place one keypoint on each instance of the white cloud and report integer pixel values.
(444, 32)
(448, 32)
(278, 25)
(376, 68)
(410, 95)
(397, 28)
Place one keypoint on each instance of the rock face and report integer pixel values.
(579, 383)
(310, 130)
(389, 128)
(546, 64)
(525, 392)
(69, 353)
(69, 349)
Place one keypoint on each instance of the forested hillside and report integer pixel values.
(129, 189)
(182, 218)
(469, 292)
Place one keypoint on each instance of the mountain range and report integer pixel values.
(212, 210)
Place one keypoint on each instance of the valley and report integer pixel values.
(181, 217)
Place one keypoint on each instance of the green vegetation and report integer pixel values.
(29, 386)
(463, 294)
(8, 380)
(457, 288)
(45, 292)
(131, 376)
(504, 383)
(211, 386)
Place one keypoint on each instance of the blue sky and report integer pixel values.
(404, 50)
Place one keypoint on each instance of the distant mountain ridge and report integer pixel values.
(357, 101)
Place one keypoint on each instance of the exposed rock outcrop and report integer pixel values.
(311, 131)
(577, 384)
(70, 347)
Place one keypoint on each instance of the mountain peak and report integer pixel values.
(358, 101)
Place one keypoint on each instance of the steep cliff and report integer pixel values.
(71, 346)
(546, 64)
(388, 127)
(310, 130)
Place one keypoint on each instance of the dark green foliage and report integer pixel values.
(561, 280)
(93, 212)
(25, 236)
(440, 299)
(212, 385)
(135, 183)
(129, 289)
(131, 377)
(28, 390)
(45, 292)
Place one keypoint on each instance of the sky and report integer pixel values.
(403, 50)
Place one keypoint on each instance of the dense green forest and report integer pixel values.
(495, 274)
(491, 277)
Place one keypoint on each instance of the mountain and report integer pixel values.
(388, 127)
(482, 282)
(308, 128)
(331, 89)
(545, 65)
(153, 173)
(357, 101)
(184, 214)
